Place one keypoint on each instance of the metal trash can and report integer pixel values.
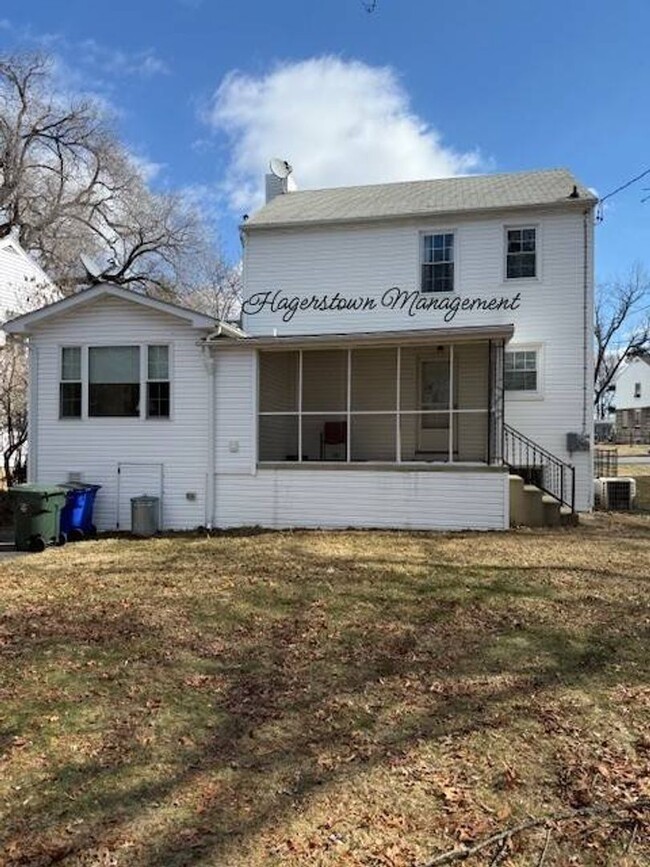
(145, 515)
(37, 516)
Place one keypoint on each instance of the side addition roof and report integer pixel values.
(24, 324)
(421, 198)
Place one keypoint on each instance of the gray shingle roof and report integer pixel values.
(419, 198)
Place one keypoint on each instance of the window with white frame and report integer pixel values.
(521, 252)
(637, 389)
(437, 262)
(158, 398)
(70, 385)
(114, 381)
(109, 382)
(520, 371)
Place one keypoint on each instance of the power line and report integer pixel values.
(624, 186)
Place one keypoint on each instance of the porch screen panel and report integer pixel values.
(278, 438)
(373, 437)
(324, 437)
(373, 380)
(278, 382)
(471, 369)
(324, 381)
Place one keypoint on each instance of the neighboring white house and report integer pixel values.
(21, 278)
(403, 348)
(631, 397)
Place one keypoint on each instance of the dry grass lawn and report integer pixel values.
(326, 698)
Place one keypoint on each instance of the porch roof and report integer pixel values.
(406, 337)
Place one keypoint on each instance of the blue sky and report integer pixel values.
(204, 92)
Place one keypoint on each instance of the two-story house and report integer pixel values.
(631, 398)
(404, 350)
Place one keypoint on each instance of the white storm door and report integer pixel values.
(433, 428)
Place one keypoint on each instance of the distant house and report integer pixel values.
(631, 397)
(22, 280)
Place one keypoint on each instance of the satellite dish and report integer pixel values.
(280, 168)
(92, 269)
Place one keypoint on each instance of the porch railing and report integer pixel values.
(537, 466)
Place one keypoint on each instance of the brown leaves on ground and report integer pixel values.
(325, 698)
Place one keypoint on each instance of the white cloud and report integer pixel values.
(338, 122)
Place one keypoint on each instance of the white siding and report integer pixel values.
(369, 259)
(635, 370)
(426, 500)
(95, 446)
(20, 279)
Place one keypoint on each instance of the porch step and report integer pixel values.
(531, 507)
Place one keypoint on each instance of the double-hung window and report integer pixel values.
(438, 262)
(70, 385)
(521, 252)
(520, 370)
(157, 382)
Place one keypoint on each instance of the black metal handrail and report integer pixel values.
(537, 466)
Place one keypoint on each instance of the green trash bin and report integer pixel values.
(37, 515)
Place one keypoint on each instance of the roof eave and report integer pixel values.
(24, 324)
(589, 201)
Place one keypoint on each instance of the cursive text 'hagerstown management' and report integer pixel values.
(413, 302)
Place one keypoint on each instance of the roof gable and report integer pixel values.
(24, 324)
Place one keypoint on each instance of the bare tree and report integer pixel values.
(13, 411)
(622, 328)
(213, 286)
(67, 186)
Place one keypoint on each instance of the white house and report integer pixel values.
(405, 348)
(631, 397)
(21, 278)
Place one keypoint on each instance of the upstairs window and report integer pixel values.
(637, 389)
(114, 381)
(70, 385)
(521, 253)
(438, 263)
(520, 371)
(157, 382)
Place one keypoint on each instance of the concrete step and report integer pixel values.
(531, 507)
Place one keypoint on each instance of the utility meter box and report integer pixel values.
(577, 442)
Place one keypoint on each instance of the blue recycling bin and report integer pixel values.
(77, 514)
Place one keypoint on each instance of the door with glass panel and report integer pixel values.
(433, 393)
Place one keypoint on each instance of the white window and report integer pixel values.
(157, 382)
(521, 370)
(70, 385)
(114, 381)
(438, 262)
(111, 382)
(521, 252)
(637, 389)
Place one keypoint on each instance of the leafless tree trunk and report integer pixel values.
(13, 411)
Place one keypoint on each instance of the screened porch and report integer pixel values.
(431, 403)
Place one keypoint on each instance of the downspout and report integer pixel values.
(586, 403)
(210, 366)
(32, 414)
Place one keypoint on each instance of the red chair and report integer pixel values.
(334, 433)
